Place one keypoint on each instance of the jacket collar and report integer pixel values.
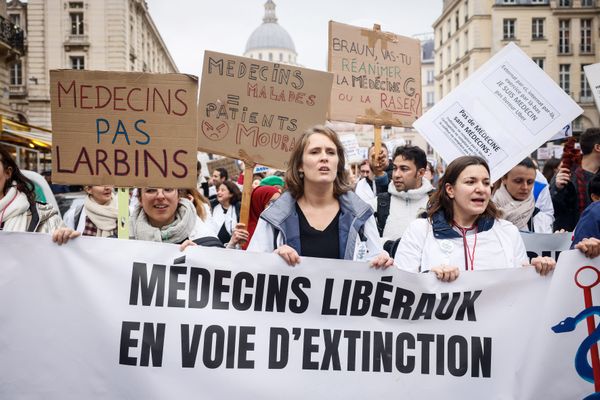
(412, 194)
(443, 230)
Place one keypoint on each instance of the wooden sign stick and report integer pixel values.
(247, 192)
(123, 218)
(377, 142)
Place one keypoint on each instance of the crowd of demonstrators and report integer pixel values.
(568, 187)
(218, 176)
(463, 230)
(97, 215)
(515, 199)
(587, 230)
(406, 197)
(319, 207)
(377, 182)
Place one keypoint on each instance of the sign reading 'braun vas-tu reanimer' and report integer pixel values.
(123, 128)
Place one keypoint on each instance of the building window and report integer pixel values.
(15, 19)
(77, 62)
(587, 3)
(76, 4)
(76, 23)
(586, 91)
(466, 42)
(449, 55)
(449, 27)
(539, 1)
(537, 28)
(457, 25)
(586, 36)
(466, 10)
(564, 3)
(456, 79)
(457, 45)
(429, 77)
(270, 56)
(429, 99)
(508, 28)
(564, 77)
(508, 1)
(539, 61)
(564, 29)
(16, 74)
(260, 56)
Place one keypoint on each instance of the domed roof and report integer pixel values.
(270, 35)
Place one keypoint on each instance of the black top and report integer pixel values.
(316, 243)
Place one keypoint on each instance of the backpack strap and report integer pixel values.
(35, 218)
(383, 210)
(530, 222)
(78, 211)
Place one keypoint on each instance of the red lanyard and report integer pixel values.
(469, 255)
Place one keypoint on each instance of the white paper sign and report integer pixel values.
(592, 73)
(350, 143)
(503, 112)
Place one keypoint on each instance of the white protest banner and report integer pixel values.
(255, 110)
(350, 143)
(123, 128)
(592, 73)
(546, 244)
(503, 112)
(566, 336)
(102, 318)
(565, 132)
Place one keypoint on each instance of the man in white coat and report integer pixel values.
(406, 198)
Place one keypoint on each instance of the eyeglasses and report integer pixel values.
(154, 191)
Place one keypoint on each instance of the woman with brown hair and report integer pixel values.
(226, 213)
(463, 229)
(319, 215)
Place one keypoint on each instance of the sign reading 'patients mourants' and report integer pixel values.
(123, 128)
(256, 110)
(377, 76)
(503, 112)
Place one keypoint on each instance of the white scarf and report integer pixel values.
(103, 216)
(515, 211)
(176, 232)
(13, 211)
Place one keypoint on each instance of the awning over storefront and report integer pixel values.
(20, 133)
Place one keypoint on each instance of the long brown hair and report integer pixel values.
(197, 199)
(440, 199)
(23, 184)
(295, 182)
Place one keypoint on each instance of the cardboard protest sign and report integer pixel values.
(503, 112)
(255, 110)
(228, 163)
(592, 74)
(123, 128)
(138, 325)
(377, 76)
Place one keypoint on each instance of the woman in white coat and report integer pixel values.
(463, 230)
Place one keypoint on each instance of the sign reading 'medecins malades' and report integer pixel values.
(123, 128)
(256, 110)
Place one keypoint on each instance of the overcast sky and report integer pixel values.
(189, 27)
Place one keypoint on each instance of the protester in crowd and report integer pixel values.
(569, 187)
(367, 188)
(319, 215)
(256, 179)
(161, 216)
(514, 198)
(273, 180)
(406, 198)
(430, 173)
(586, 236)
(203, 210)
(97, 215)
(226, 214)
(365, 170)
(541, 193)
(463, 229)
(202, 182)
(550, 168)
(19, 212)
(219, 176)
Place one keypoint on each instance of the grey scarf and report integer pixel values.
(176, 232)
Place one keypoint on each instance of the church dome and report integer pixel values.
(270, 35)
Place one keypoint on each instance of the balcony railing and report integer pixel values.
(11, 35)
(18, 90)
(586, 97)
